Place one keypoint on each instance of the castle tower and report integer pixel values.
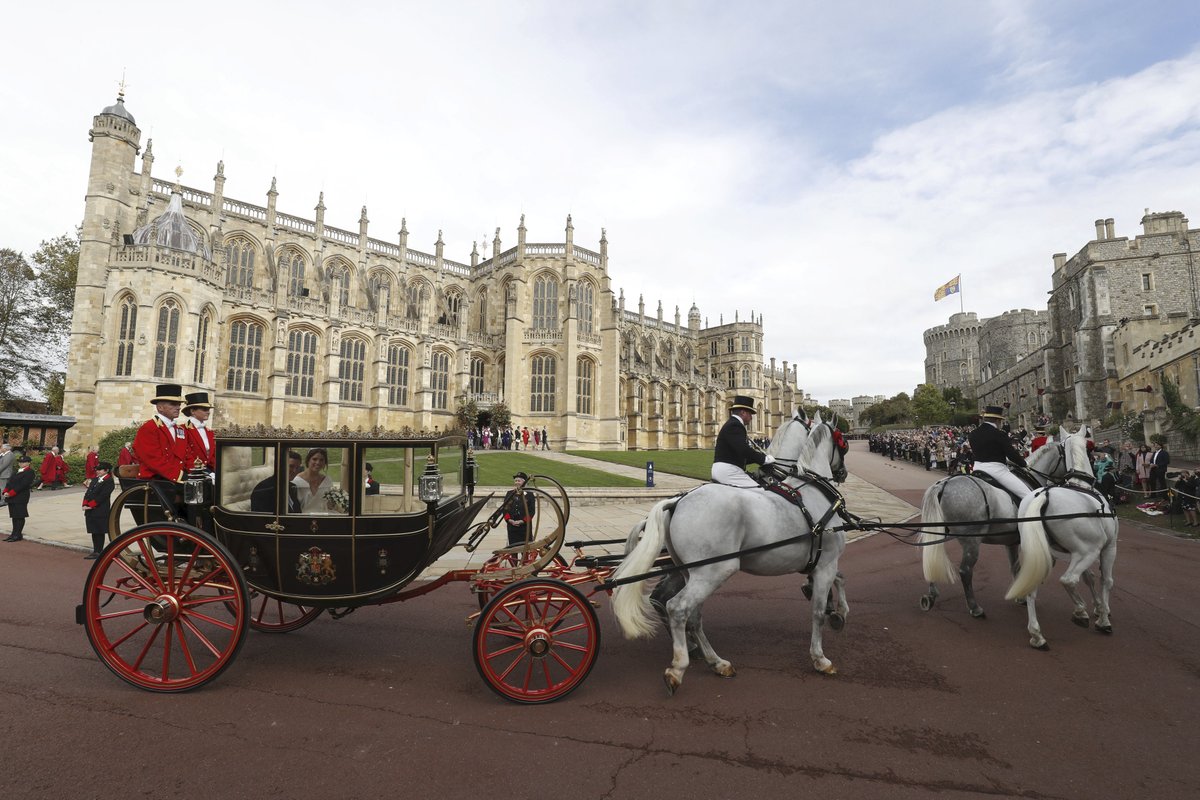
(109, 212)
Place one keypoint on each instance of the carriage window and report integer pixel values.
(324, 482)
(247, 479)
(386, 488)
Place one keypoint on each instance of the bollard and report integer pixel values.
(649, 474)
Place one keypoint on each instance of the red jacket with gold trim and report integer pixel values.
(196, 448)
(161, 451)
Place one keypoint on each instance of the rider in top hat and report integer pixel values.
(202, 443)
(1039, 436)
(160, 444)
(734, 450)
(992, 448)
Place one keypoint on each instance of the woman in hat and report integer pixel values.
(161, 444)
(993, 451)
(202, 443)
(734, 450)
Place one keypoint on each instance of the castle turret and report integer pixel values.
(109, 212)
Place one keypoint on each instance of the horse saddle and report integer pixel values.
(1023, 474)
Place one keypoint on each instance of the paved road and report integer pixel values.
(386, 702)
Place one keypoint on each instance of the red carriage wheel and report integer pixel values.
(270, 615)
(165, 607)
(504, 563)
(536, 641)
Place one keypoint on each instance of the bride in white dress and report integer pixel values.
(313, 484)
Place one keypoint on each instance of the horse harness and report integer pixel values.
(837, 506)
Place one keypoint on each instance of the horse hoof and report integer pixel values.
(724, 669)
(806, 590)
(825, 667)
(1021, 601)
(1044, 646)
(837, 621)
(1105, 629)
(672, 683)
(1081, 621)
(978, 613)
(926, 602)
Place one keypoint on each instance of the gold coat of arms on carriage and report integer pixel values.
(315, 567)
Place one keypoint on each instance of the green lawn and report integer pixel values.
(690, 463)
(496, 468)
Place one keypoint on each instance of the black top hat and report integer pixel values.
(744, 403)
(522, 476)
(168, 393)
(196, 400)
(24, 460)
(992, 412)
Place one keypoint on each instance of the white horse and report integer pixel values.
(1079, 524)
(715, 521)
(964, 499)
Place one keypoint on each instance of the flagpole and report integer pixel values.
(960, 293)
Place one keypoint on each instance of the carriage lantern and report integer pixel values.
(194, 484)
(431, 482)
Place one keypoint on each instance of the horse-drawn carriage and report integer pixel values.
(167, 605)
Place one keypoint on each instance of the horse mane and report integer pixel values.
(1041, 454)
(1076, 452)
(816, 437)
(779, 436)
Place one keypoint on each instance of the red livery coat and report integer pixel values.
(196, 448)
(125, 457)
(89, 466)
(161, 451)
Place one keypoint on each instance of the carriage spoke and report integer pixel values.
(187, 652)
(112, 647)
(116, 590)
(151, 565)
(137, 665)
(136, 577)
(228, 626)
(191, 626)
(166, 662)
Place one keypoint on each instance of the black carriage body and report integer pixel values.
(365, 542)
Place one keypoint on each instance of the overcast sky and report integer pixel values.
(827, 165)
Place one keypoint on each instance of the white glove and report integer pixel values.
(770, 460)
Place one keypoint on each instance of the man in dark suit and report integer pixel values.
(262, 498)
(1159, 462)
(733, 449)
(17, 489)
(96, 506)
(993, 451)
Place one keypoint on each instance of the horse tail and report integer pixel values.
(934, 561)
(1035, 549)
(630, 603)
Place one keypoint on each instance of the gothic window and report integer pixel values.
(415, 300)
(341, 283)
(245, 356)
(292, 265)
(481, 311)
(639, 398)
(166, 339)
(584, 372)
(239, 263)
(587, 307)
(397, 375)
(729, 345)
(202, 347)
(745, 344)
(351, 368)
(731, 378)
(301, 363)
(125, 336)
(545, 303)
(439, 379)
(746, 377)
(712, 347)
(449, 315)
(541, 383)
(476, 375)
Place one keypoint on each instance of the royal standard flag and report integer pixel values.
(950, 287)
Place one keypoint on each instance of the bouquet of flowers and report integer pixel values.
(337, 500)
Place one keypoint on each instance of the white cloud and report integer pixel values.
(825, 167)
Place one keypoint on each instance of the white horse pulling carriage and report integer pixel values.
(1070, 519)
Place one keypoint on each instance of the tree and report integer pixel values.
(501, 416)
(57, 263)
(25, 367)
(467, 414)
(890, 412)
(828, 415)
(54, 389)
(929, 405)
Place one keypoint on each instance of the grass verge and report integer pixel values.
(496, 468)
(690, 463)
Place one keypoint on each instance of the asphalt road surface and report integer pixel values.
(387, 702)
